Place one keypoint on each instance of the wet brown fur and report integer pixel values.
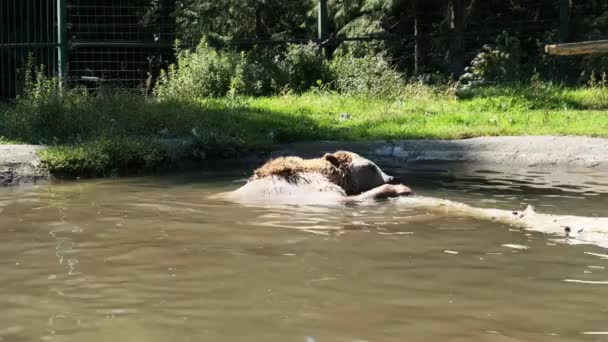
(335, 167)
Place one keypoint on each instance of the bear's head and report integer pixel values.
(358, 174)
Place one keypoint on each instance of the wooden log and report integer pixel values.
(581, 48)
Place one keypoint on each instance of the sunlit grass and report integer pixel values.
(117, 130)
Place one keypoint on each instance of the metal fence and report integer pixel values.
(87, 42)
(123, 42)
(27, 28)
(119, 42)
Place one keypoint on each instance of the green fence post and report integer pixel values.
(62, 41)
(323, 25)
(323, 20)
(564, 20)
(456, 51)
(564, 23)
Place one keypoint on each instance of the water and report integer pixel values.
(150, 259)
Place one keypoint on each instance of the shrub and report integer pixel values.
(370, 74)
(39, 114)
(304, 66)
(263, 74)
(494, 64)
(205, 72)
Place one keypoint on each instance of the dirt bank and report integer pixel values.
(20, 164)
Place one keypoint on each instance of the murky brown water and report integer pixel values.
(150, 259)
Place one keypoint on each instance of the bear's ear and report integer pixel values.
(332, 159)
(343, 157)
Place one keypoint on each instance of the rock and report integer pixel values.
(384, 150)
(176, 146)
(344, 117)
(20, 164)
(400, 152)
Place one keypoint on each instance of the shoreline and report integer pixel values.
(21, 164)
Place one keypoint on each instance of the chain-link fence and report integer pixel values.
(27, 30)
(118, 42)
(124, 42)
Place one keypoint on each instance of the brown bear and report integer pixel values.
(334, 178)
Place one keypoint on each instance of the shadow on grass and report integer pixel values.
(210, 120)
(102, 135)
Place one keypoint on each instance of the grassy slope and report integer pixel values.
(317, 117)
(115, 132)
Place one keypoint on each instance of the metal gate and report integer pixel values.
(28, 29)
(86, 42)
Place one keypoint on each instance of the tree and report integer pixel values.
(240, 19)
(431, 35)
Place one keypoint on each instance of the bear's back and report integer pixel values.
(303, 188)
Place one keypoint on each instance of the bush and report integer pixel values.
(370, 74)
(205, 72)
(263, 74)
(208, 72)
(304, 66)
(497, 64)
(39, 114)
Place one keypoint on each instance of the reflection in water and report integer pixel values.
(151, 260)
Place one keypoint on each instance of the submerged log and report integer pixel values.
(581, 48)
(566, 228)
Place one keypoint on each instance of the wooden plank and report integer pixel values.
(581, 48)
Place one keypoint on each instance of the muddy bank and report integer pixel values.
(20, 163)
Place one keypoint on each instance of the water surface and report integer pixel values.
(150, 259)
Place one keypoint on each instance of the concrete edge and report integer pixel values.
(501, 152)
(20, 164)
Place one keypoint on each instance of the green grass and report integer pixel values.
(114, 132)
(104, 157)
(5, 141)
(432, 116)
